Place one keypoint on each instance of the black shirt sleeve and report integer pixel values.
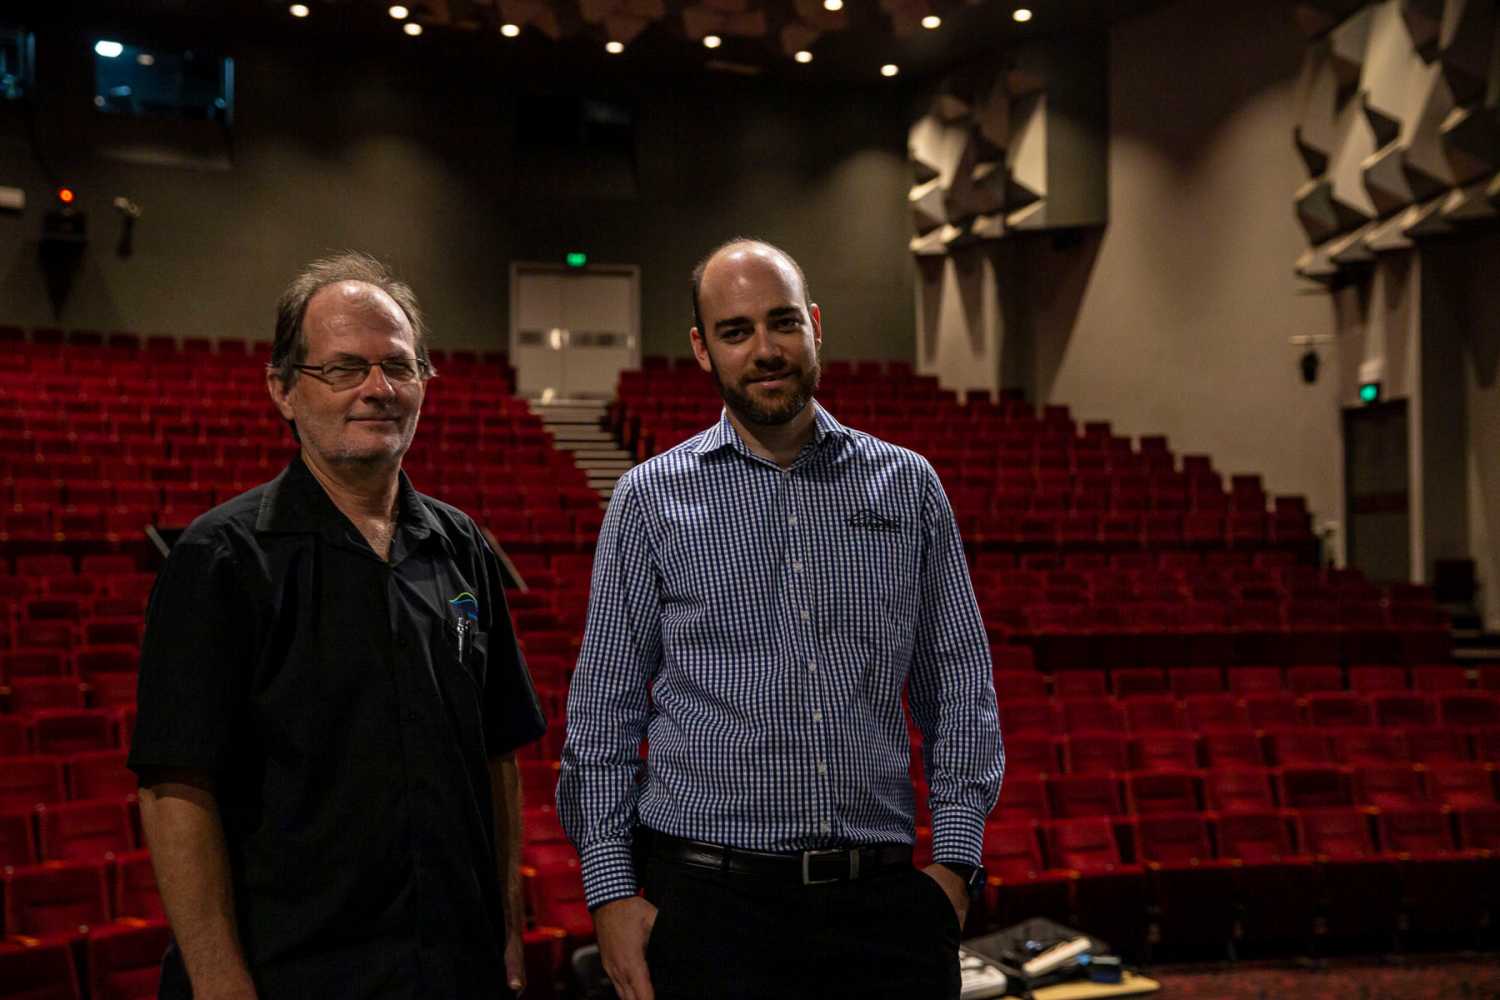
(512, 714)
(193, 658)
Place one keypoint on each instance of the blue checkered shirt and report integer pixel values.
(758, 625)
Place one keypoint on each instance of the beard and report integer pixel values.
(789, 403)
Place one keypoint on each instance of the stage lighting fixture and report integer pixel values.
(108, 49)
(510, 30)
(412, 28)
(803, 56)
(1309, 364)
(299, 10)
(712, 41)
(1369, 393)
(834, 5)
(614, 48)
(399, 12)
(932, 22)
(889, 69)
(1022, 15)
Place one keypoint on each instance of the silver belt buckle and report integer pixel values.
(807, 857)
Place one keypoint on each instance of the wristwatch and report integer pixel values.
(974, 876)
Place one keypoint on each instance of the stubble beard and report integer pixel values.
(750, 411)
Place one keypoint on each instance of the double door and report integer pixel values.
(573, 330)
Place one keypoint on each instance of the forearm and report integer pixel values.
(505, 794)
(186, 837)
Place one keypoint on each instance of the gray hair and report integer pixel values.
(289, 348)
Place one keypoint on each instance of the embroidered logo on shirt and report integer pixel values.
(876, 522)
(465, 607)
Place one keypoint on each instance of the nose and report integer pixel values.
(767, 353)
(376, 385)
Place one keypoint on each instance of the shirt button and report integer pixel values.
(812, 666)
(822, 767)
(412, 716)
(817, 715)
(806, 615)
(792, 520)
(797, 567)
(824, 827)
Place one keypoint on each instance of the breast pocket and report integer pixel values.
(880, 570)
(459, 664)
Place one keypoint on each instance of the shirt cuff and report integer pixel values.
(957, 835)
(608, 873)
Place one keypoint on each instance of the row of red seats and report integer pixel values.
(1267, 710)
(1042, 796)
(77, 830)
(66, 634)
(1256, 877)
(39, 779)
(98, 690)
(63, 731)
(1015, 677)
(120, 961)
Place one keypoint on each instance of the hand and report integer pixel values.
(624, 927)
(515, 961)
(957, 891)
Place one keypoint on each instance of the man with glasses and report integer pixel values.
(331, 696)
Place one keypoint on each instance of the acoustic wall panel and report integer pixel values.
(1398, 125)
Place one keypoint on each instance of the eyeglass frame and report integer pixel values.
(425, 371)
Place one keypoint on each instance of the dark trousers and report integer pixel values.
(890, 936)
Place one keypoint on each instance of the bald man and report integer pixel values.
(763, 594)
(331, 696)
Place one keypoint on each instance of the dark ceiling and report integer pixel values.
(663, 37)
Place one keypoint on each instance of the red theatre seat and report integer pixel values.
(1232, 748)
(1095, 753)
(1274, 883)
(100, 774)
(1110, 896)
(17, 839)
(1314, 787)
(555, 897)
(1360, 882)
(124, 960)
(84, 831)
(1152, 792)
(1390, 786)
(135, 893)
(1081, 795)
(1023, 798)
(1030, 754)
(1164, 751)
(1194, 891)
(38, 971)
(1461, 786)
(56, 897)
(26, 782)
(1020, 884)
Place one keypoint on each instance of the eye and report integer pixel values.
(345, 371)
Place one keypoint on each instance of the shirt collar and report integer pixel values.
(723, 434)
(296, 503)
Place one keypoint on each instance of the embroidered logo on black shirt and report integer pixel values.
(876, 522)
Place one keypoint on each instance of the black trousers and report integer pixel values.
(718, 936)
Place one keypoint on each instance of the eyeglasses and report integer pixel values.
(348, 373)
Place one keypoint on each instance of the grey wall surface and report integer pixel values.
(416, 162)
(1176, 319)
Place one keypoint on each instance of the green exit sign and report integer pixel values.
(1369, 392)
(577, 259)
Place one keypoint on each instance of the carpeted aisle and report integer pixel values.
(1437, 977)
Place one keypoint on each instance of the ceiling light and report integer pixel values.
(1022, 14)
(889, 69)
(833, 4)
(712, 41)
(109, 50)
(146, 59)
(510, 30)
(803, 56)
(399, 12)
(931, 22)
(300, 10)
(412, 28)
(614, 48)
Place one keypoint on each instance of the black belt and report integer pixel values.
(839, 864)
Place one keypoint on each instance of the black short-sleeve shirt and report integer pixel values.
(347, 707)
